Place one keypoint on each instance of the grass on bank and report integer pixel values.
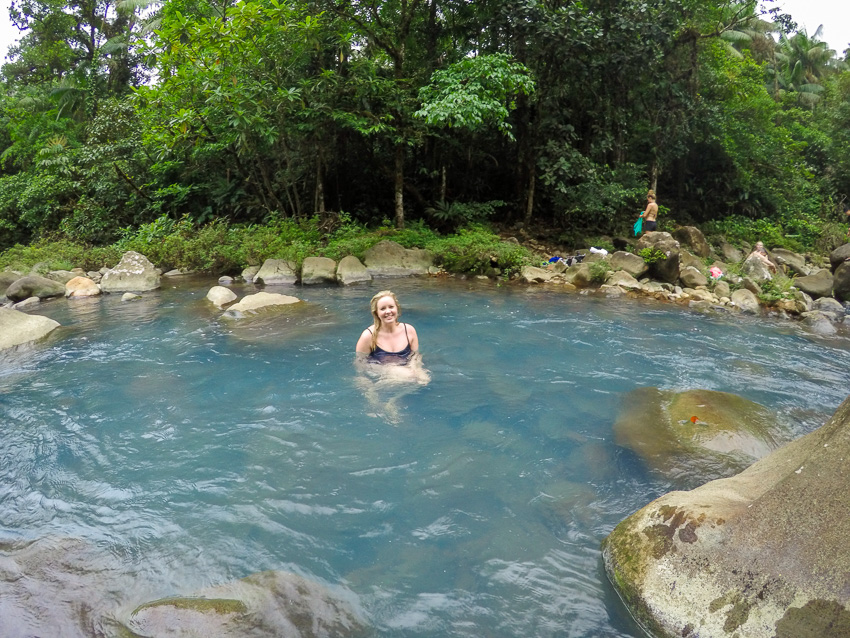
(223, 248)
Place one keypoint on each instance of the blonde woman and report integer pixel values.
(650, 214)
(388, 340)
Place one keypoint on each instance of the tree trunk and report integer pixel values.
(443, 183)
(653, 176)
(399, 185)
(529, 193)
(319, 199)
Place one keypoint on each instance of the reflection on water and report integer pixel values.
(152, 449)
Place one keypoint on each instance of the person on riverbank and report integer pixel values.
(760, 253)
(650, 215)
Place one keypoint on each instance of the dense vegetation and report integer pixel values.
(261, 128)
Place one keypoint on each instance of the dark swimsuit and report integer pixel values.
(400, 358)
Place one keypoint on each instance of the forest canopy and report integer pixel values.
(564, 113)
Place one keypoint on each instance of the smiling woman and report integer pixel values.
(388, 340)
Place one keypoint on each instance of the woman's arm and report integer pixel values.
(413, 338)
(364, 343)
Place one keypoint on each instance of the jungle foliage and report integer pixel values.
(131, 123)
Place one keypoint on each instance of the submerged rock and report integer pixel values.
(251, 304)
(81, 287)
(759, 555)
(18, 327)
(221, 296)
(266, 604)
(699, 432)
(34, 286)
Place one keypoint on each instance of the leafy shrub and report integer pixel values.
(476, 250)
(599, 271)
(650, 254)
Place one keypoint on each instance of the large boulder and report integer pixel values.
(578, 275)
(18, 327)
(535, 275)
(755, 268)
(698, 432)
(630, 263)
(759, 555)
(816, 285)
(622, 279)
(729, 253)
(7, 278)
(691, 277)
(351, 271)
(265, 604)
(34, 286)
(839, 256)
(665, 264)
(746, 301)
(840, 282)
(81, 287)
(275, 272)
(793, 262)
(134, 273)
(318, 270)
(692, 237)
(389, 259)
(220, 296)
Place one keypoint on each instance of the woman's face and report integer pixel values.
(387, 310)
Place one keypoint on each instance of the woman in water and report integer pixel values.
(396, 345)
(388, 340)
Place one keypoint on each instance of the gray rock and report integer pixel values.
(130, 296)
(94, 276)
(751, 285)
(534, 275)
(178, 272)
(820, 322)
(389, 259)
(226, 280)
(828, 304)
(721, 289)
(839, 256)
(746, 301)
(693, 238)
(794, 262)
(134, 273)
(578, 275)
(275, 272)
(818, 284)
(62, 276)
(840, 282)
(249, 273)
(318, 270)
(34, 286)
(691, 277)
(623, 280)
(221, 296)
(630, 263)
(18, 327)
(687, 259)
(730, 254)
(30, 302)
(351, 271)
(762, 554)
(666, 268)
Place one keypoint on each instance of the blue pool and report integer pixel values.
(186, 451)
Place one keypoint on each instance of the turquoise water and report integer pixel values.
(186, 451)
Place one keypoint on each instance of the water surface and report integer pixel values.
(190, 451)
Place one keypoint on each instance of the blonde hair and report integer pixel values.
(373, 305)
(651, 194)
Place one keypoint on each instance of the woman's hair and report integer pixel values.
(377, 320)
(651, 194)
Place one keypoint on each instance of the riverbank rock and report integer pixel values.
(817, 285)
(81, 287)
(351, 271)
(318, 270)
(729, 253)
(622, 279)
(18, 327)
(389, 259)
(249, 272)
(535, 275)
(839, 256)
(691, 277)
(746, 301)
(275, 272)
(666, 268)
(759, 555)
(793, 262)
(267, 604)
(251, 304)
(221, 296)
(840, 282)
(630, 263)
(701, 433)
(755, 269)
(134, 273)
(692, 237)
(34, 286)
